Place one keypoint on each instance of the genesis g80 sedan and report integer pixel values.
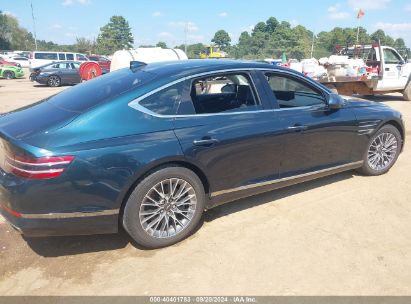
(152, 146)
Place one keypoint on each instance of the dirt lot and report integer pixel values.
(340, 235)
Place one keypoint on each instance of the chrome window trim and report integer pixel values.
(275, 181)
(135, 103)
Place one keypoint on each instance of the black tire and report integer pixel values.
(407, 92)
(366, 168)
(132, 216)
(54, 81)
(8, 75)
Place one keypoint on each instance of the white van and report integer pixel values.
(41, 58)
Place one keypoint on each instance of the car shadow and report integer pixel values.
(73, 245)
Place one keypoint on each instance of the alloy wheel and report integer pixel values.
(168, 208)
(54, 81)
(382, 151)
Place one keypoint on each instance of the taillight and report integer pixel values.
(36, 168)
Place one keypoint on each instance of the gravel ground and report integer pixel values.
(340, 235)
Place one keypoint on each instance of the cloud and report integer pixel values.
(165, 35)
(396, 30)
(335, 13)
(157, 14)
(8, 13)
(408, 7)
(56, 26)
(294, 23)
(247, 28)
(71, 2)
(196, 38)
(69, 35)
(223, 14)
(191, 26)
(368, 4)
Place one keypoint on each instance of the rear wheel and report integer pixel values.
(54, 81)
(407, 92)
(382, 151)
(165, 207)
(8, 75)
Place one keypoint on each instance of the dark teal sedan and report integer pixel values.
(151, 147)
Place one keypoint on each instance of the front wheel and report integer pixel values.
(8, 75)
(165, 207)
(407, 92)
(382, 151)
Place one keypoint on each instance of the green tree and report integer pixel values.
(161, 44)
(114, 36)
(84, 45)
(222, 39)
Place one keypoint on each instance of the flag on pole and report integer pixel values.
(360, 14)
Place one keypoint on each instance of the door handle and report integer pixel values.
(387, 69)
(297, 128)
(205, 142)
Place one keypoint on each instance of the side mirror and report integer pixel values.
(335, 101)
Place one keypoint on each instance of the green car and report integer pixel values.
(10, 72)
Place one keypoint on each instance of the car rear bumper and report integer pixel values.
(62, 223)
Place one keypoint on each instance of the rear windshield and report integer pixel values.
(93, 92)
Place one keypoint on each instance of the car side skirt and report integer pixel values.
(220, 197)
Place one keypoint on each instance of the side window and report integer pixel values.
(47, 56)
(292, 93)
(165, 101)
(70, 56)
(223, 93)
(391, 57)
(62, 57)
(81, 57)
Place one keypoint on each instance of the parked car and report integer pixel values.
(22, 61)
(11, 72)
(151, 147)
(9, 63)
(41, 58)
(102, 61)
(57, 73)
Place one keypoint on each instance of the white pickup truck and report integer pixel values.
(392, 73)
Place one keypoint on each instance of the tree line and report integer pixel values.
(269, 39)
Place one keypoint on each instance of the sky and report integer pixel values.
(151, 21)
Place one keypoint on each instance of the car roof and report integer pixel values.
(182, 68)
(55, 62)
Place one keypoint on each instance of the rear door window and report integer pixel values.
(62, 57)
(224, 93)
(70, 56)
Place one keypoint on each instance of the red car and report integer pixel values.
(4, 62)
(103, 62)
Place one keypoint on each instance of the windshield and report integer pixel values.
(93, 92)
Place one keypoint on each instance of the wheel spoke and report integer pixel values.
(160, 214)
(382, 151)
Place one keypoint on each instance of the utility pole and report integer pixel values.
(185, 37)
(312, 46)
(34, 24)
